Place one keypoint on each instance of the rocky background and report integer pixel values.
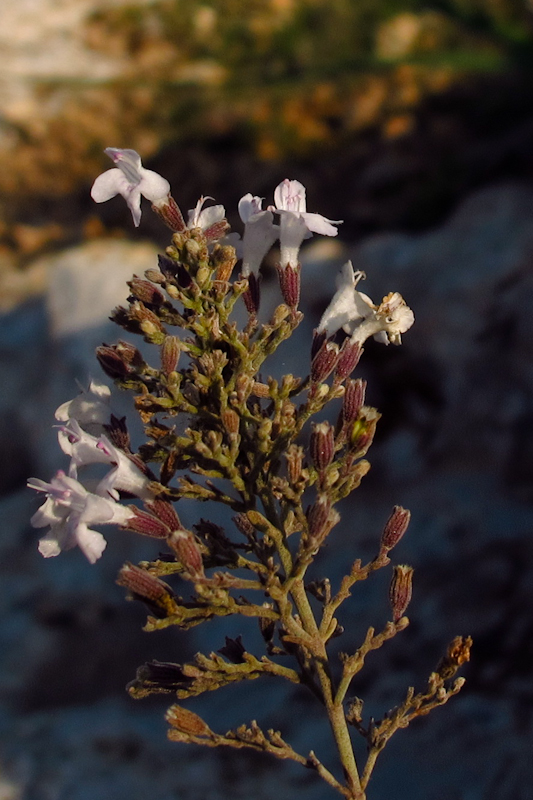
(413, 122)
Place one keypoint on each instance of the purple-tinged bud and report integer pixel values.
(354, 398)
(322, 445)
(318, 518)
(147, 524)
(186, 721)
(363, 430)
(289, 281)
(244, 525)
(111, 362)
(217, 230)
(243, 386)
(142, 583)
(252, 295)
(170, 213)
(348, 359)
(295, 457)
(148, 321)
(395, 527)
(319, 337)
(166, 512)
(400, 590)
(324, 362)
(145, 291)
(187, 549)
(170, 353)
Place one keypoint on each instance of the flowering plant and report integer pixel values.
(244, 447)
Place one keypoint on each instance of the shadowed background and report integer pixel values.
(412, 122)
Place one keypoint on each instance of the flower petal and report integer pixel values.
(108, 184)
(153, 186)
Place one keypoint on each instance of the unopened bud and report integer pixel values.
(322, 445)
(354, 398)
(318, 340)
(348, 358)
(110, 361)
(363, 430)
(289, 281)
(144, 585)
(395, 527)
(217, 230)
(400, 590)
(165, 512)
(185, 546)
(231, 421)
(224, 258)
(244, 525)
(145, 317)
(145, 291)
(324, 362)
(170, 353)
(317, 517)
(155, 276)
(186, 721)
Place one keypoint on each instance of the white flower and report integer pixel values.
(356, 314)
(260, 233)
(69, 510)
(204, 218)
(296, 223)
(85, 449)
(131, 180)
(90, 407)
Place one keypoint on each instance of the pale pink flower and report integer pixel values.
(260, 233)
(296, 223)
(357, 315)
(89, 407)
(131, 180)
(69, 510)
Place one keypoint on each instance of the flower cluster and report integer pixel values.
(218, 431)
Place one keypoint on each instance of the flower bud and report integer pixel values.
(322, 445)
(170, 353)
(224, 258)
(231, 422)
(319, 337)
(354, 398)
(317, 517)
(112, 362)
(324, 362)
(348, 359)
(400, 590)
(187, 721)
(145, 291)
(165, 512)
(234, 650)
(146, 586)
(185, 546)
(289, 281)
(395, 527)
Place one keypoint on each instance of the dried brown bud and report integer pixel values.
(233, 650)
(322, 445)
(244, 525)
(148, 321)
(354, 398)
(147, 524)
(348, 359)
(187, 721)
(144, 585)
(400, 590)
(295, 457)
(224, 258)
(117, 431)
(231, 421)
(217, 230)
(111, 362)
(289, 281)
(395, 527)
(170, 353)
(457, 654)
(145, 291)
(324, 362)
(187, 549)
